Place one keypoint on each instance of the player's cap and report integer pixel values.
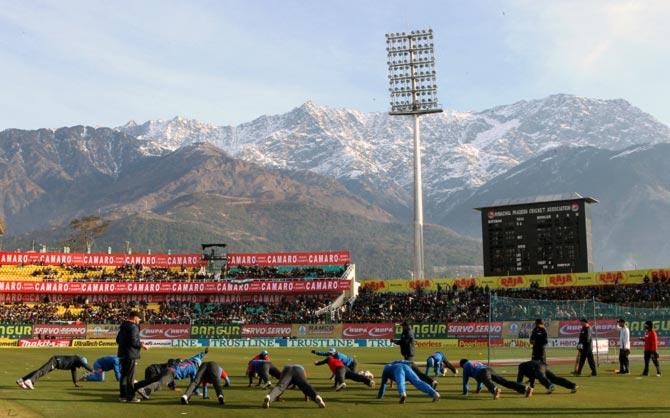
(264, 353)
(463, 361)
(84, 360)
(621, 321)
(539, 321)
(583, 320)
(649, 324)
(332, 350)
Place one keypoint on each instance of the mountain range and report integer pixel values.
(323, 178)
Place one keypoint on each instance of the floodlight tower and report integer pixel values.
(413, 88)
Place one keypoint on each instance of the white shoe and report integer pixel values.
(29, 384)
(436, 397)
(372, 384)
(266, 402)
(184, 400)
(320, 401)
(340, 387)
(21, 384)
(456, 372)
(221, 401)
(403, 398)
(529, 391)
(496, 394)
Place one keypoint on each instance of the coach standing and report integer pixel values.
(407, 342)
(129, 343)
(539, 340)
(624, 346)
(585, 346)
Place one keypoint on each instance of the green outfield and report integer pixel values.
(55, 396)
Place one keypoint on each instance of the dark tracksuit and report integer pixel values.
(539, 340)
(586, 342)
(128, 353)
(407, 344)
(71, 363)
(293, 374)
(536, 369)
(187, 368)
(208, 372)
(485, 376)
(264, 369)
(342, 372)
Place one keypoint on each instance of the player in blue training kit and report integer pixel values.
(348, 361)
(102, 365)
(438, 361)
(263, 369)
(485, 376)
(399, 371)
(186, 369)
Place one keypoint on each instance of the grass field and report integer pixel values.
(55, 396)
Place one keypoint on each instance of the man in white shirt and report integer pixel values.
(624, 346)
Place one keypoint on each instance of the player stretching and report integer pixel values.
(348, 361)
(537, 369)
(102, 365)
(187, 368)
(438, 361)
(399, 371)
(71, 363)
(293, 374)
(340, 371)
(485, 376)
(263, 369)
(208, 372)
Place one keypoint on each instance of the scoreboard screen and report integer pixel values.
(541, 237)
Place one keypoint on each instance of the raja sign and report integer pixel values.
(58, 330)
(260, 330)
(425, 331)
(368, 331)
(319, 258)
(112, 260)
(165, 331)
(475, 330)
(317, 330)
(216, 331)
(34, 343)
(15, 331)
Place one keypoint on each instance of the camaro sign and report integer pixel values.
(368, 331)
(318, 258)
(143, 288)
(112, 260)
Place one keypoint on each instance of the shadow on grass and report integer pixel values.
(560, 411)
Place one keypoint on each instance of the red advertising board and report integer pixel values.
(270, 299)
(315, 258)
(263, 330)
(477, 330)
(368, 331)
(59, 330)
(638, 343)
(144, 288)
(603, 328)
(115, 260)
(165, 331)
(32, 343)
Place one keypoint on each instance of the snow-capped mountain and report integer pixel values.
(461, 150)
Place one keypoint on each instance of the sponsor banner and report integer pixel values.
(436, 344)
(662, 327)
(603, 328)
(637, 343)
(368, 331)
(262, 330)
(95, 343)
(316, 258)
(563, 342)
(143, 288)
(102, 331)
(518, 329)
(165, 331)
(59, 330)
(255, 343)
(270, 299)
(425, 331)
(111, 260)
(317, 330)
(216, 331)
(319, 342)
(479, 342)
(15, 331)
(190, 343)
(35, 343)
(476, 330)
(158, 342)
(6, 342)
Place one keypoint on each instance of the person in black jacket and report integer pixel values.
(71, 363)
(539, 340)
(406, 342)
(129, 343)
(585, 347)
(536, 369)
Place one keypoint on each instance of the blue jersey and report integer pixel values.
(108, 363)
(342, 357)
(257, 365)
(471, 369)
(438, 356)
(189, 367)
(400, 371)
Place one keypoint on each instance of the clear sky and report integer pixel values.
(106, 62)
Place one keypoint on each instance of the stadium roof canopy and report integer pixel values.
(539, 199)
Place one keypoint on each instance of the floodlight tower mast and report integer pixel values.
(413, 89)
